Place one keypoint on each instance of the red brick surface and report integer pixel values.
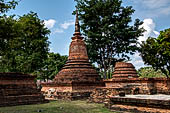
(17, 89)
(124, 70)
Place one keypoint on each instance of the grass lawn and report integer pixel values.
(58, 107)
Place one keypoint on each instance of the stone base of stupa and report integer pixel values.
(73, 83)
(72, 91)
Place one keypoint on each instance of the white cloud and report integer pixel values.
(67, 24)
(58, 30)
(51, 49)
(154, 8)
(156, 3)
(165, 11)
(156, 33)
(152, 4)
(149, 26)
(63, 26)
(49, 23)
(137, 61)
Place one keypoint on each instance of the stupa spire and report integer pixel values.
(77, 25)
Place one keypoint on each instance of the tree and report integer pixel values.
(107, 30)
(8, 32)
(156, 52)
(5, 5)
(52, 65)
(24, 43)
(149, 72)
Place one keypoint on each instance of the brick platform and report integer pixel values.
(140, 103)
(136, 109)
(19, 89)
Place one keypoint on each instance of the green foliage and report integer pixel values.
(108, 74)
(23, 43)
(52, 65)
(156, 52)
(5, 5)
(108, 33)
(149, 72)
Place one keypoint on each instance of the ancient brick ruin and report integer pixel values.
(130, 83)
(140, 103)
(129, 80)
(19, 89)
(78, 78)
(126, 81)
(124, 70)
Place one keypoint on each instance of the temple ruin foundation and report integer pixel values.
(19, 89)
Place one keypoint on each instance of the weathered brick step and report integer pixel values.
(156, 103)
(17, 86)
(21, 100)
(15, 92)
(137, 109)
(71, 95)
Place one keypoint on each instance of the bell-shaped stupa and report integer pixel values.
(124, 70)
(77, 77)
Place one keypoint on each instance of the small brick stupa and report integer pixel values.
(77, 78)
(124, 70)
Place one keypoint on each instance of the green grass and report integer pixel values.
(58, 107)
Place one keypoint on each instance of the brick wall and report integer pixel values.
(68, 91)
(101, 95)
(145, 85)
(17, 89)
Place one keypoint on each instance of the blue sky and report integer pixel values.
(58, 17)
